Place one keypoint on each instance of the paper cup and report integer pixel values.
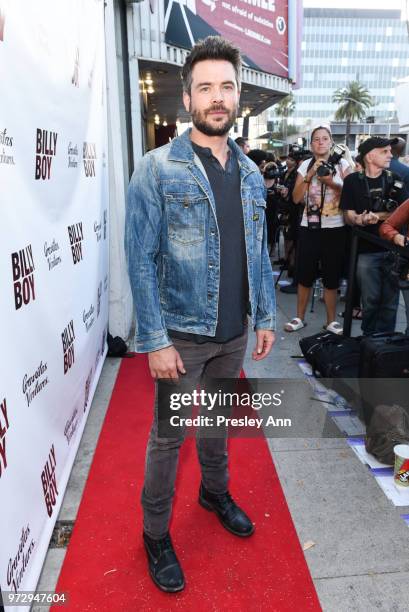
(401, 470)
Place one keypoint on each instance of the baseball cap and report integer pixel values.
(375, 142)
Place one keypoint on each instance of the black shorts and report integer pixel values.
(322, 246)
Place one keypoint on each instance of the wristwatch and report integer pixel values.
(306, 180)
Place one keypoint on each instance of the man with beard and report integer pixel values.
(198, 264)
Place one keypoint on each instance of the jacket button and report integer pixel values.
(210, 265)
(209, 296)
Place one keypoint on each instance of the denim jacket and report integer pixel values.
(172, 245)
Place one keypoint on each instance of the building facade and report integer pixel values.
(342, 45)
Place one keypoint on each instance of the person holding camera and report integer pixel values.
(321, 239)
(291, 217)
(368, 198)
(273, 174)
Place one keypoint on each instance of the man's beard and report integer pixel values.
(200, 122)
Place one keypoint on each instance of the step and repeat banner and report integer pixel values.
(53, 262)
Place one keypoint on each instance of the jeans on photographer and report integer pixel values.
(380, 294)
(210, 360)
(405, 294)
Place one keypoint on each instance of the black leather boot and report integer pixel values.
(164, 567)
(230, 515)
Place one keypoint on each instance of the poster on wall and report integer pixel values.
(258, 27)
(53, 263)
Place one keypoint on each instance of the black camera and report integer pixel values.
(299, 153)
(327, 168)
(274, 170)
(380, 203)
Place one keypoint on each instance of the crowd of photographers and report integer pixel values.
(313, 198)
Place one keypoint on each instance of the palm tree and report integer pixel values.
(353, 100)
(284, 109)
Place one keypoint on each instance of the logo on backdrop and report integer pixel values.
(75, 80)
(18, 564)
(87, 389)
(98, 230)
(105, 223)
(2, 23)
(99, 298)
(88, 317)
(281, 25)
(104, 338)
(6, 141)
(71, 425)
(51, 254)
(49, 481)
(22, 263)
(46, 150)
(34, 383)
(89, 154)
(72, 155)
(76, 236)
(97, 358)
(68, 337)
(4, 427)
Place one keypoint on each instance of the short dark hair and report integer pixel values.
(257, 156)
(211, 48)
(240, 141)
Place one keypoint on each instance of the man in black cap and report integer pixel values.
(363, 197)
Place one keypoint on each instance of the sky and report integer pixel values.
(370, 4)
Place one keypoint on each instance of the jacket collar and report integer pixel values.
(181, 150)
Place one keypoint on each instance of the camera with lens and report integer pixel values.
(327, 168)
(299, 153)
(274, 170)
(380, 203)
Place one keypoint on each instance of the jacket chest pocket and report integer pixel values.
(258, 215)
(186, 215)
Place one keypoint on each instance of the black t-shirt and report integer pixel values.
(356, 195)
(233, 287)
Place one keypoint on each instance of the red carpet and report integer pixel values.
(105, 565)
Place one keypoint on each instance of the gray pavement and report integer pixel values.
(359, 560)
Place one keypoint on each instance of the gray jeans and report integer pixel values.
(209, 360)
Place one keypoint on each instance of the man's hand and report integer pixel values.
(399, 240)
(166, 363)
(367, 218)
(265, 341)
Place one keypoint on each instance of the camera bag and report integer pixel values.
(384, 355)
(331, 355)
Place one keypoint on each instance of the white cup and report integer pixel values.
(401, 468)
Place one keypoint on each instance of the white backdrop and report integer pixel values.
(53, 261)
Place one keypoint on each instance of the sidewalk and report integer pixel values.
(359, 560)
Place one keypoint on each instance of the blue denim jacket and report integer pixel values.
(172, 245)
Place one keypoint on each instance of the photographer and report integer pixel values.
(368, 198)
(291, 213)
(273, 174)
(322, 233)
